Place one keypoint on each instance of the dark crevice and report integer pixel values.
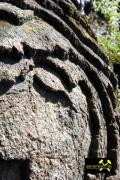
(15, 169)
(75, 14)
(5, 85)
(112, 136)
(52, 95)
(40, 57)
(94, 121)
(111, 94)
(5, 52)
(51, 6)
(87, 68)
(10, 17)
(93, 59)
(89, 57)
(16, 53)
(58, 72)
(20, 4)
(60, 53)
(60, 26)
(113, 79)
(10, 55)
(87, 41)
(9, 59)
(112, 133)
(34, 53)
(65, 7)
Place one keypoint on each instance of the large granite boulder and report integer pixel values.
(56, 93)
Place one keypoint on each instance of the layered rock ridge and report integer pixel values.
(56, 93)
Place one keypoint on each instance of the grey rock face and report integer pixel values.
(56, 93)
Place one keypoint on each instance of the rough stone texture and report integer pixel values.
(56, 93)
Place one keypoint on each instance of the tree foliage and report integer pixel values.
(111, 41)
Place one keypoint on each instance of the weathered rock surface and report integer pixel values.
(56, 93)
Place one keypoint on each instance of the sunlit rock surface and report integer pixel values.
(56, 93)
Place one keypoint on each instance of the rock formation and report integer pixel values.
(56, 93)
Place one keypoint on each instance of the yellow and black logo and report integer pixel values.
(97, 165)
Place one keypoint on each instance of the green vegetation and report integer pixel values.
(110, 42)
(108, 10)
